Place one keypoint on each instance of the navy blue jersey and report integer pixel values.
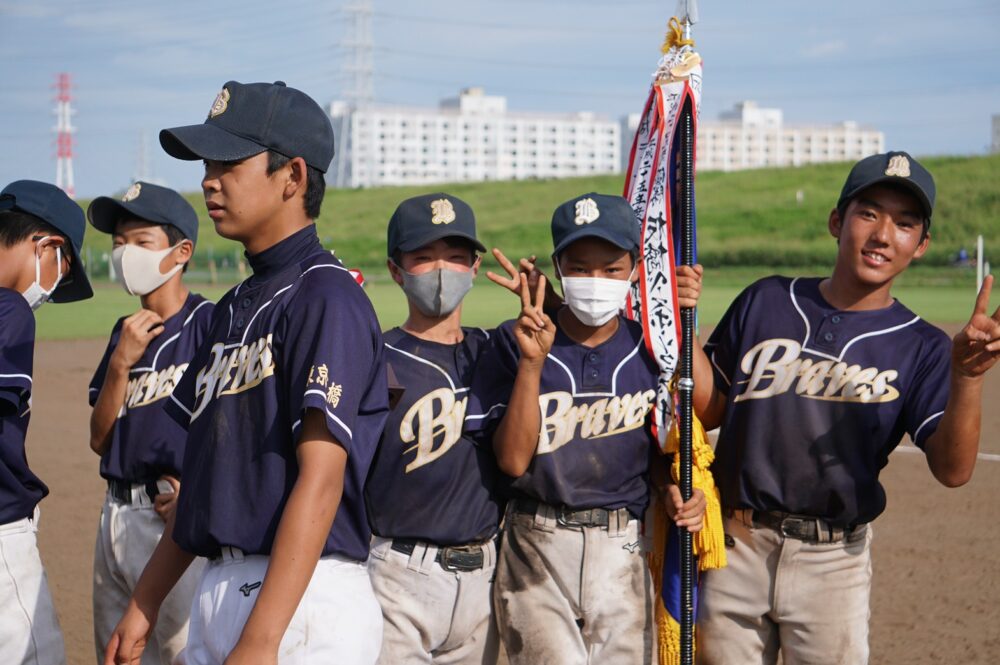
(300, 333)
(594, 443)
(20, 489)
(817, 398)
(429, 480)
(146, 443)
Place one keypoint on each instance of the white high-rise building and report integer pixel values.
(472, 137)
(750, 137)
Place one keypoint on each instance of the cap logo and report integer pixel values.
(442, 212)
(133, 192)
(899, 166)
(220, 104)
(586, 212)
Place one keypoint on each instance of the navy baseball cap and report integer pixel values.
(601, 216)
(423, 219)
(148, 202)
(51, 205)
(248, 118)
(896, 168)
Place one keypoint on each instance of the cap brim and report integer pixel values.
(442, 232)
(905, 183)
(78, 288)
(593, 232)
(104, 212)
(207, 142)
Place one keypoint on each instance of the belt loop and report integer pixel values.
(545, 518)
(490, 553)
(822, 532)
(616, 523)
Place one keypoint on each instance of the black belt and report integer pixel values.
(121, 490)
(567, 516)
(809, 529)
(458, 557)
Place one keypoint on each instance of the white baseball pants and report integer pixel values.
(29, 628)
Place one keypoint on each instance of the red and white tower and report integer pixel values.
(64, 135)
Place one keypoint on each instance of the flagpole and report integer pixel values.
(686, 381)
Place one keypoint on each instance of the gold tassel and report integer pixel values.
(708, 544)
(674, 36)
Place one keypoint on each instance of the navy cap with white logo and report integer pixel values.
(601, 216)
(895, 168)
(248, 118)
(421, 220)
(51, 205)
(147, 202)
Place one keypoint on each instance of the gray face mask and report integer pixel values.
(437, 292)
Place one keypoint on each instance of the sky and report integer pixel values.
(923, 72)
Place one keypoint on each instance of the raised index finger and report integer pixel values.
(983, 298)
(504, 262)
(524, 291)
(540, 292)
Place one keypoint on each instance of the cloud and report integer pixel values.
(824, 49)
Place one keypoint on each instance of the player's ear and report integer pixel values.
(835, 224)
(394, 271)
(184, 251)
(922, 247)
(296, 175)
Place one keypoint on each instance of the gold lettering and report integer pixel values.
(435, 416)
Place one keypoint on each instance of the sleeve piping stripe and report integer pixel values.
(716, 366)
(350, 434)
(916, 435)
(183, 408)
(492, 409)
(15, 376)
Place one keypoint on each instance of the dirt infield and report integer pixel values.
(937, 551)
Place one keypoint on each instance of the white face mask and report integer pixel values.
(35, 294)
(595, 300)
(138, 268)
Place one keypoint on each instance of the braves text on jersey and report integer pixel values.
(817, 398)
(430, 481)
(145, 442)
(20, 489)
(300, 333)
(594, 446)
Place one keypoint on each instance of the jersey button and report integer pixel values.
(239, 322)
(593, 374)
(593, 357)
(835, 318)
(828, 337)
(247, 302)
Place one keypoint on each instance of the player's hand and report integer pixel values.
(688, 285)
(534, 329)
(512, 282)
(976, 348)
(166, 502)
(130, 636)
(137, 332)
(690, 515)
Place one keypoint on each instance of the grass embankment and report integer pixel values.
(750, 224)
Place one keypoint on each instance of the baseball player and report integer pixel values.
(154, 231)
(284, 403)
(567, 399)
(41, 231)
(430, 493)
(814, 381)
